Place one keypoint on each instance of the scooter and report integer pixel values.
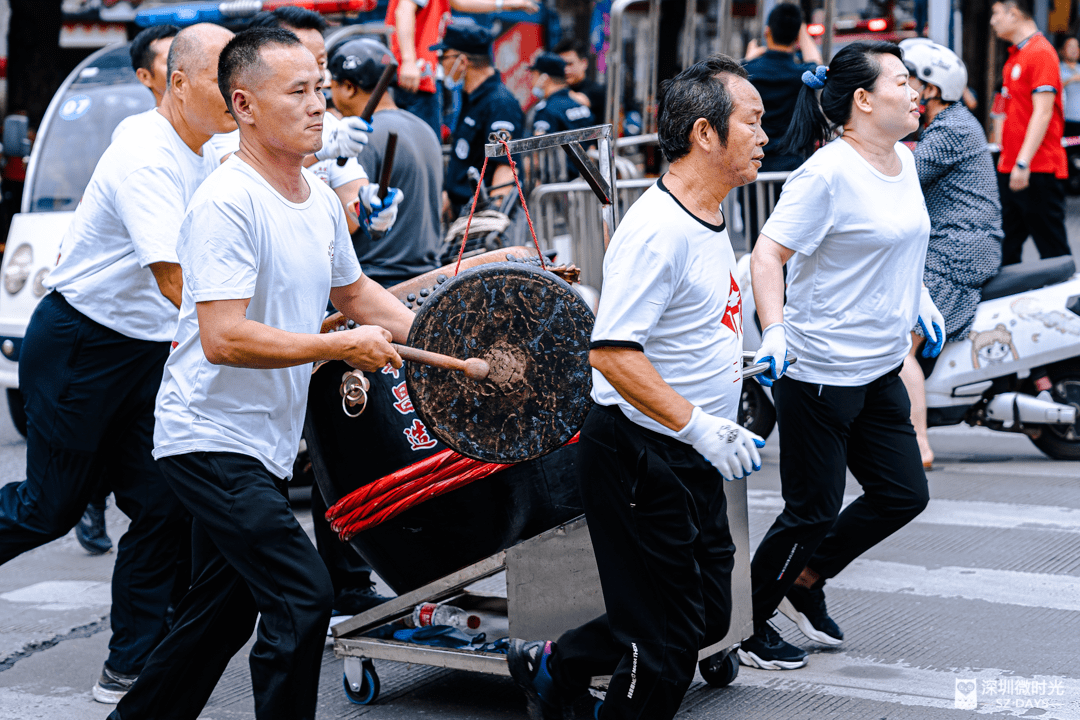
(1018, 370)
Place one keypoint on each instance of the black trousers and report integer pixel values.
(348, 571)
(89, 394)
(1038, 212)
(250, 559)
(823, 430)
(658, 520)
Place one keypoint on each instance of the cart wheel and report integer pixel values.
(596, 709)
(721, 669)
(368, 690)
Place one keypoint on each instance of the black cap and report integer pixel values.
(550, 64)
(360, 61)
(465, 35)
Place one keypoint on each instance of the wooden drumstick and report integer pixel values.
(376, 95)
(388, 165)
(474, 368)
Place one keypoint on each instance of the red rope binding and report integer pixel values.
(524, 206)
(387, 497)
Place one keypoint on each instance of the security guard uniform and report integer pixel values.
(487, 109)
(559, 112)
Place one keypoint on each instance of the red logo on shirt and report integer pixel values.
(418, 436)
(389, 369)
(733, 314)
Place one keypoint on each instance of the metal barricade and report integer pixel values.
(752, 204)
(567, 218)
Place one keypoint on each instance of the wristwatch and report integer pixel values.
(1023, 164)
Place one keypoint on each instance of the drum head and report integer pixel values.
(533, 330)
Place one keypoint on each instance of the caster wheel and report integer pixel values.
(596, 709)
(721, 669)
(368, 690)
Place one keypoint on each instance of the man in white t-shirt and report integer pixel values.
(94, 349)
(662, 437)
(263, 244)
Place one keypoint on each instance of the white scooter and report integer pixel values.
(1018, 370)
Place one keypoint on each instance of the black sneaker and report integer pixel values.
(112, 686)
(90, 532)
(765, 649)
(806, 608)
(528, 663)
(353, 601)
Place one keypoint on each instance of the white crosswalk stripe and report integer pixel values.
(960, 512)
(840, 674)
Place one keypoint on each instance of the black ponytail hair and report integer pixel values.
(855, 66)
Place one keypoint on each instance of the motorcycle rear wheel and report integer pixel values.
(1062, 443)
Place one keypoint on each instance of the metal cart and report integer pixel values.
(552, 582)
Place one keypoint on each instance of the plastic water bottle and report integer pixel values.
(469, 622)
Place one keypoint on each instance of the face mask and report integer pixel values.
(451, 84)
(538, 89)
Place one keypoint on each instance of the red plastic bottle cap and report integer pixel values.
(473, 622)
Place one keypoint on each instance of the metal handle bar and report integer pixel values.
(751, 370)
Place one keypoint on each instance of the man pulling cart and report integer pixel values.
(667, 380)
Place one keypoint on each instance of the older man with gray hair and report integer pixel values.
(93, 354)
(662, 437)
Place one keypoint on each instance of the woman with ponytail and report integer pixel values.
(852, 228)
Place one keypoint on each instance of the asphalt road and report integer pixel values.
(982, 591)
(976, 603)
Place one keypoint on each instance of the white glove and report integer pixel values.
(380, 214)
(773, 347)
(731, 448)
(347, 139)
(932, 324)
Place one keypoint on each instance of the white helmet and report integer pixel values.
(936, 65)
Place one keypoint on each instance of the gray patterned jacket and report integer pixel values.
(960, 187)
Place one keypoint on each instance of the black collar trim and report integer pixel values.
(715, 228)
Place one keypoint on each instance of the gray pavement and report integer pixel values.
(977, 601)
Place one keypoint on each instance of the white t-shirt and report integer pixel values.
(220, 145)
(670, 291)
(128, 218)
(854, 282)
(328, 170)
(242, 239)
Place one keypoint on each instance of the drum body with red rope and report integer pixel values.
(446, 533)
(534, 331)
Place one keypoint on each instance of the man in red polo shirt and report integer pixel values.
(1032, 163)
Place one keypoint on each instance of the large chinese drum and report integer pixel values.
(446, 533)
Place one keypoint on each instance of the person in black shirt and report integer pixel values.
(557, 110)
(778, 77)
(589, 93)
(487, 107)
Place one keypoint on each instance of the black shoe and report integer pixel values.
(528, 663)
(765, 649)
(354, 601)
(112, 686)
(90, 532)
(806, 608)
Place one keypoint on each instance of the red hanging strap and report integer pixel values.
(524, 206)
